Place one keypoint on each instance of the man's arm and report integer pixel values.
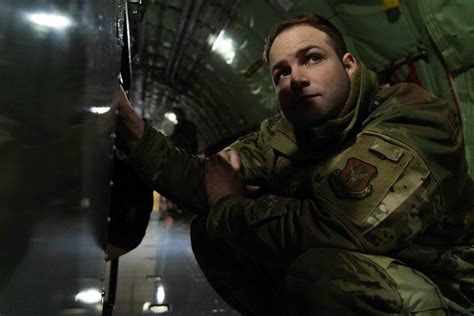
(256, 150)
(404, 202)
(192, 182)
(130, 125)
(270, 227)
(277, 229)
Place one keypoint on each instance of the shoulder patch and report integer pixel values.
(353, 181)
(358, 178)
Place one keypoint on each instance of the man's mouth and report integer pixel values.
(303, 98)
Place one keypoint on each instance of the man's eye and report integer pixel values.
(280, 75)
(312, 59)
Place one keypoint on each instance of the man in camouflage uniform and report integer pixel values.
(364, 203)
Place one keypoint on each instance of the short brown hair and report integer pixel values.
(314, 20)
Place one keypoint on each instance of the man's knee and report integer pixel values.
(335, 280)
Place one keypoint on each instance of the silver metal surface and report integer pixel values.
(163, 271)
(59, 61)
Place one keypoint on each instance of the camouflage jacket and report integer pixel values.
(398, 187)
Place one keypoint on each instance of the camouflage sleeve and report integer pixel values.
(255, 152)
(409, 208)
(277, 229)
(384, 188)
(428, 129)
(170, 170)
(252, 158)
(179, 176)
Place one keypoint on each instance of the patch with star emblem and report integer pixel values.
(353, 182)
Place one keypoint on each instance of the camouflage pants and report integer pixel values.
(321, 281)
(351, 283)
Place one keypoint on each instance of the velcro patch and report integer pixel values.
(353, 181)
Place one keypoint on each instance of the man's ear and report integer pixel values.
(350, 64)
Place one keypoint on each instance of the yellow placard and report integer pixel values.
(390, 4)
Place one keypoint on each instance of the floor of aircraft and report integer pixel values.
(163, 270)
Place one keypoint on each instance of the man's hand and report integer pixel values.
(130, 125)
(223, 177)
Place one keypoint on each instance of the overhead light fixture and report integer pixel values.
(55, 21)
(224, 46)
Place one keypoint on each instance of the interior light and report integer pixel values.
(146, 307)
(225, 47)
(156, 308)
(50, 20)
(171, 117)
(154, 277)
(89, 296)
(160, 294)
(100, 109)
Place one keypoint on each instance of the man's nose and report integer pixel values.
(298, 81)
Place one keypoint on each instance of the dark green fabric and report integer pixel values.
(451, 29)
(172, 172)
(428, 124)
(321, 281)
(337, 282)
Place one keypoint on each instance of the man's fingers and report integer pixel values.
(121, 100)
(252, 188)
(130, 125)
(222, 176)
(252, 191)
(232, 157)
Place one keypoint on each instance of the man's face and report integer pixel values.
(312, 83)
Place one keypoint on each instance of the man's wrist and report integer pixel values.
(132, 128)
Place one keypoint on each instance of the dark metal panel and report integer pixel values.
(59, 62)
